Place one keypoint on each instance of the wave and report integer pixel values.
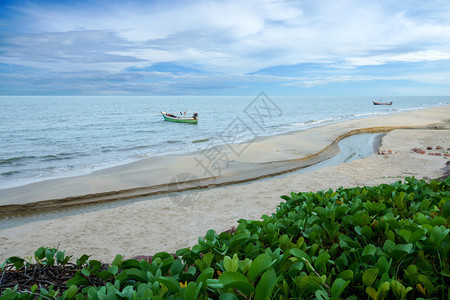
(200, 141)
(23, 160)
(371, 114)
(133, 148)
(310, 123)
(10, 173)
(59, 156)
(16, 161)
(173, 142)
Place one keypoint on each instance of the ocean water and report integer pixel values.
(43, 137)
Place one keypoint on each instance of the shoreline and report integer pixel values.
(153, 225)
(263, 157)
(72, 169)
(354, 147)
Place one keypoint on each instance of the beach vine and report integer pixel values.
(383, 242)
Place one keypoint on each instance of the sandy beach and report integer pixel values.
(162, 224)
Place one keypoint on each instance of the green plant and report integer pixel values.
(387, 241)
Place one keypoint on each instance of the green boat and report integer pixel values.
(173, 118)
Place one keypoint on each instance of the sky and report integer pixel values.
(226, 47)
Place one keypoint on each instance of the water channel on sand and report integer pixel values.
(351, 148)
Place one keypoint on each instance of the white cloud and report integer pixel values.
(419, 56)
(229, 37)
(284, 32)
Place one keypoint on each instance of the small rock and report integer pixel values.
(390, 151)
(439, 147)
(429, 148)
(437, 154)
(430, 153)
(447, 154)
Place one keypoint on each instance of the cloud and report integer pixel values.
(320, 41)
(419, 56)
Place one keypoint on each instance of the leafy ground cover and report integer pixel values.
(382, 242)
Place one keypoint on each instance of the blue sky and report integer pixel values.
(207, 47)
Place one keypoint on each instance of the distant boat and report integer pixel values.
(174, 118)
(381, 103)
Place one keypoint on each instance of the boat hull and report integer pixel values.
(179, 120)
(381, 103)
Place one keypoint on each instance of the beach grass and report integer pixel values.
(386, 241)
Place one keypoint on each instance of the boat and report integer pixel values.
(382, 103)
(174, 118)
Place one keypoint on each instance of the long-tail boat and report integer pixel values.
(382, 103)
(182, 119)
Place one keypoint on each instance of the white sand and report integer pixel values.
(147, 227)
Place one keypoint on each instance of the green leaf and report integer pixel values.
(236, 280)
(137, 274)
(117, 260)
(192, 290)
(338, 287)
(182, 251)
(436, 221)
(299, 254)
(214, 284)
(204, 276)
(105, 274)
(228, 296)
(381, 293)
(92, 293)
(367, 232)
(39, 254)
(446, 209)
(406, 234)
(82, 260)
(416, 235)
(266, 285)
(347, 243)
(50, 253)
(399, 289)
(383, 265)
(176, 267)
(396, 251)
(346, 275)
(239, 238)
(16, 261)
(77, 280)
(130, 264)
(71, 292)
(311, 283)
(438, 234)
(171, 283)
(412, 274)
(427, 284)
(261, 263)
(369, 250)
(383, 289)
(85, 272)
(321, 295)
(369, 276)
(231, 264)
(321, 262)
(372, 293)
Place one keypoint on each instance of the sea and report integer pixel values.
(46, 137)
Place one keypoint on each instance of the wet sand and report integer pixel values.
(174, 221)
